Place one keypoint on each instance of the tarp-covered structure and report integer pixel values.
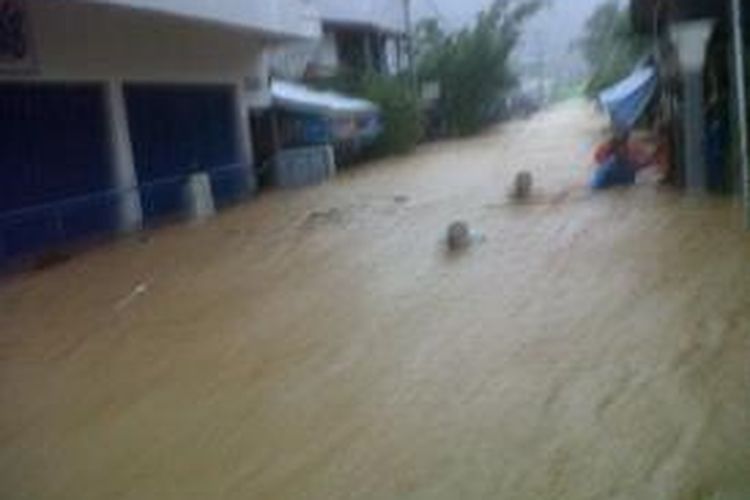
(298, 97)
(628, 100)
(312, 132)
(346, 118)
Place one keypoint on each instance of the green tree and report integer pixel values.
(610, 46)
(472, 65)
(399, 109)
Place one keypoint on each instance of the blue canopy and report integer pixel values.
(626, 101)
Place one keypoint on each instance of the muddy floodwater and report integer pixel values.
(321, 344)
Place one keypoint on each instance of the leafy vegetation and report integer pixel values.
(399, 107)
(472, 66)
(610, 46)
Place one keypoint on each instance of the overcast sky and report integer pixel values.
(550, 33)
(568, 14)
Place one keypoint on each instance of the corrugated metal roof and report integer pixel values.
(299, 97)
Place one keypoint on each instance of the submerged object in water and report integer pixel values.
(458, 236)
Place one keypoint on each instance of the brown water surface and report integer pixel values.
(321, 344)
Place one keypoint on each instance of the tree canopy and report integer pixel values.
(472, 65)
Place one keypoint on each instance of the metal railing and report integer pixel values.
(34, 229)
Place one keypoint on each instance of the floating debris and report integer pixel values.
(139, 290)
(458, 236)
(331, 216)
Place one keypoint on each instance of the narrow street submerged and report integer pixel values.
(322, 344)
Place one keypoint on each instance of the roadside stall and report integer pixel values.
(312, 130)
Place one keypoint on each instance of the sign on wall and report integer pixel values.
(16, 51)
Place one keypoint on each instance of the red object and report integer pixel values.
(637, 155)
(604, 151)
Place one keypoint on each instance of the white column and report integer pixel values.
(125, 178)
(740, 92)
(242, 132)
(691, 40)
(199, 197)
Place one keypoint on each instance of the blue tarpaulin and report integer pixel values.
(626, 101)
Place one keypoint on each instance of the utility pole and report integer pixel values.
(410, 46)
(739, 73)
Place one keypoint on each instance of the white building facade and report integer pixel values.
(363, 35)
(117, 98)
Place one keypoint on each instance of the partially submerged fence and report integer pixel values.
(35, 229)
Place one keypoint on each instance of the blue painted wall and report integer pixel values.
(176, 130)
(54, 166)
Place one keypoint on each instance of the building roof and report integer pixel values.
(297, 97)
(281, 18)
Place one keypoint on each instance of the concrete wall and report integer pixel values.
(690, 39)
(291, 61)
(88, 42)
(275, 17)
(84, 42)
(383, 14)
